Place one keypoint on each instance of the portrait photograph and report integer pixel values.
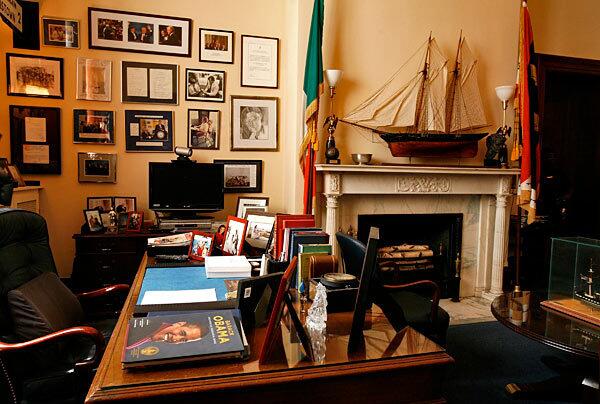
(205, 85)
(100, 203)
(94, 79)
(260, 227)
(91, 126)
(125, 204)
(149, 131)
(234, 236)
(97, 167)
(216, 46)
(201, 245)
(241, 176)
(139, 32)
(93, 219)
(60, 32)
(254, 123)
(203, 128)
(134, 221)
(34, 76)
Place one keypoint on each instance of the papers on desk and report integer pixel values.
(231, 266)
(179, 296)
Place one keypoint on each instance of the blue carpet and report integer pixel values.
(488, 356)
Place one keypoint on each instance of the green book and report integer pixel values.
(305, 251)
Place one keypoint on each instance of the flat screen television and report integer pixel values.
(186, 187)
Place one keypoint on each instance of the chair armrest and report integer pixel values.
(120, 288)
(84, 331)
(425, 284)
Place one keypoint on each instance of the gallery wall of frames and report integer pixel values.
(107, 90)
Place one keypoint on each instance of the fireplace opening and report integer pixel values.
(418, 247)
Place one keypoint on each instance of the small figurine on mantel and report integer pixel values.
(497, 153)
(332, 154)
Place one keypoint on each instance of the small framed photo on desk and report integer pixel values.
(234, 235)
(134, 222)
(201, 245)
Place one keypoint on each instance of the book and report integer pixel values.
(279, 228)
(183, 337)
(305, 251)
(230, 266)
(315, 236)
(287, 240)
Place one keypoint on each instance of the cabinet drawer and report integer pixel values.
(109, 245)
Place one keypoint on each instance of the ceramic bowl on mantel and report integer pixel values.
(362, 158)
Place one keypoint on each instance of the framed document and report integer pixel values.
(34, 76)
(149, 131)
(35, 139)
(97, 167)
(254, 123)
(92, 126)
(216, 45)
(60, 32)
(94, 79)
(137, 32)
(260, 61)
(149, 82)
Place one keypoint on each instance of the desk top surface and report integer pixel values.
(384, 350)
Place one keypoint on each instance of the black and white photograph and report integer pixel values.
(60, 32)
(139, 32)
(100, 203)
(260, 226)
(155, 83)
(149, 130)
(254, 123)
(241, 176)
(234, 236)
(93, 219)
(247, 202)
(97, 167)
(125, 204)
(205, 85)
(92, 126)
(34, 76)
(216, 46)
(94, 79)
(204, 128)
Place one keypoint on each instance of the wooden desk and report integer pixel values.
(404, 367)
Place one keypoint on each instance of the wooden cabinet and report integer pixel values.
(26, 198)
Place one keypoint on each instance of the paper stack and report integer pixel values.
(231, 266)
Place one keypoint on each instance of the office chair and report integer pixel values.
(415, 304)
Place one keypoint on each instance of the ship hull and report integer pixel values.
(433, 145)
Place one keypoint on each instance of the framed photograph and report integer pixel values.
(100, 203)
(4, 171)
(155, 83)
(125, 204)
(15, 174)
(97, 167)
(260, 229)
(204, 128)
(122, 218)
(260, 61)
(241, 176)
(254, 123)
(201, 245)
(138, 32)
(149, 131)
(216, 45)
(245, 202)
(94, 79)
(34, 76)
(60, 32)
(234, 235)
(205, 85)
(35, 139)
(93, 219)
(92, 126)
(134, 222)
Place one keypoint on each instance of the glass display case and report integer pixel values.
(575, 270)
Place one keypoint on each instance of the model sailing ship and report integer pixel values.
(434, 114)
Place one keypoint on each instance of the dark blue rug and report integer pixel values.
(488, 356)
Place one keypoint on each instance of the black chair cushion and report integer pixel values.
(353, 253)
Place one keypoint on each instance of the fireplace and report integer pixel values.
(440, 232)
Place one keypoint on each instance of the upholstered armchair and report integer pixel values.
(48, 348)
(415, 304)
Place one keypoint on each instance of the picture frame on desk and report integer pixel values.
(250, 202)
(201, 245)
(16, 175)
(241, 176)
(235, 230)
(135, 220)
(259, 232)
(101, 203)
(34, 76)
(125, 204)
(93, 220)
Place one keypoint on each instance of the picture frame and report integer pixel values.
(216, 45)
(34, 76)
(235, 229)
(205, 85)
(254, 123)
(125, 204)
(148, 131)
(97, 167)
(241, 176)
(204, 128)
(60, 32)
(94, 79)
(249, 202)
(4, 171)
(134, 222)
(16, 175)
(259, 232)
(93, 220)
(260, 62)
(154, 83)
(35, 139)
(100, 203)
(93, 126)
(128, 31)
(201, 245)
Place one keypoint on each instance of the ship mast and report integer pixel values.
(421, 97)
(452, 85)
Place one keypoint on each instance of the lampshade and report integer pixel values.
(505, 93)
(333, 76)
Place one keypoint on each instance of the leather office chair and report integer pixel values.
(415, 304)
(47, 350)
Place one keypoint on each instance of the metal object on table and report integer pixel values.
(362, 158)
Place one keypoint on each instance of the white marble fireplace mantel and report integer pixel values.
(483, 195)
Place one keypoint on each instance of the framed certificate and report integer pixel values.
(260, 62)
(154, 83)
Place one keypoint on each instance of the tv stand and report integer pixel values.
(183, 221)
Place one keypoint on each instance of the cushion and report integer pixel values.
(42, 306)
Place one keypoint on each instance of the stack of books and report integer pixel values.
(230, 266)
